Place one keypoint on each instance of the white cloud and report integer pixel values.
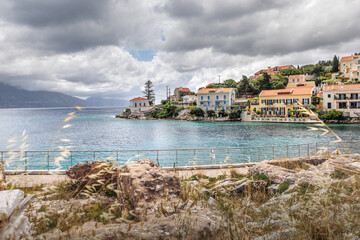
(82, 49)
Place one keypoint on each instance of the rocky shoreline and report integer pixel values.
(183, 117)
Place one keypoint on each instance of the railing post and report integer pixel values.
(287, 151)
(157, 158)
(244, 154)
(117, 159)
(176, 161)
(48, 160)
(308, 150)
(26, 162)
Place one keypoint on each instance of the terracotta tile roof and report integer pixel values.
(192, 96)
(345, 87)
(186, 90)
(347, 58)
(139, 98)
(210, 84)
(171, 96)
(287, 91)
(214, 90)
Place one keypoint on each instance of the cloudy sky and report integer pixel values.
(110, 48)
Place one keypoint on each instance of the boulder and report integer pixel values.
(13, 224)
(143, 181)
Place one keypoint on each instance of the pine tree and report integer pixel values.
(149, 91)
(335, 64)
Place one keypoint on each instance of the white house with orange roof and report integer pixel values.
(189, 98)
(140, 105)
(343, 98)
(215, 98)
(350, 67)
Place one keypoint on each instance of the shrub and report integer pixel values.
(164, 102)
(222, 113)
(235, 114)
(211, 113)
(258, 112)
(333, 115)
(283, 187)
(197, 112)
(127, 110)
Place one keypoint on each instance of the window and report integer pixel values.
(208, 97)
(329, 105)
(269, 102)
(342, 96)
(298, 80)
(288, 101)
(135, 104)
(305, 101)
(224, 97)
(342, 105)
(282, 100)
(329, 95)
(354, 96)
(263, 101)
(224, 102)
(217, 97)
(282, 111)
(276, 101)
(202, 97)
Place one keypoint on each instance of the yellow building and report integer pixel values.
(283, 102)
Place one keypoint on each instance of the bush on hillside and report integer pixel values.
(198, 112)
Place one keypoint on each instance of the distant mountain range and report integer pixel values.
(13, 97)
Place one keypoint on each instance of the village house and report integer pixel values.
(140, 105)
(343, 98)
(172, 98)
(283, 102)
(189, 98)
(271, 71)
(215, 98)
(350, 67)
(180, 92)
(300, 81)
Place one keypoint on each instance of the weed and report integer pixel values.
(283, 187)
(338, 175)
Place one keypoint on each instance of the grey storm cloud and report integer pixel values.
(258, 27)
(82, 47)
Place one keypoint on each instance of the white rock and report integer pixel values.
(9, 199)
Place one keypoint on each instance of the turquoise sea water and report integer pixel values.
(97, 129)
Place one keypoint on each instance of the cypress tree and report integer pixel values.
(335, 64)
(149, 91)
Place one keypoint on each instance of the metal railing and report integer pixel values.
(48, 160)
